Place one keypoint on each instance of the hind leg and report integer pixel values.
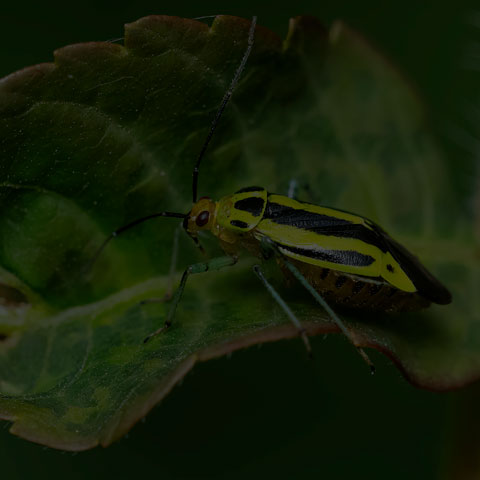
(301, 331)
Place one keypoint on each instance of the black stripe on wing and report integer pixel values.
(426, 284)
(298, 218)
(322, 224)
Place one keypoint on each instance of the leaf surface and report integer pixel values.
(108, 133)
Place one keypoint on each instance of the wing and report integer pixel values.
(345, 242)
(321, 236)
(424, 281)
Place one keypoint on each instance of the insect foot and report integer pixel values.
(158, 332)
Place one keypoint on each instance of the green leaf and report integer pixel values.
(109, 133)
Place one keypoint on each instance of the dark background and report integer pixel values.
(269, 411)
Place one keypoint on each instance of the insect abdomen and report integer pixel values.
(360, 293)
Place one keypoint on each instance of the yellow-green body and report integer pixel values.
(317, 238)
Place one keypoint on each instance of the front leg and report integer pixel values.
(213, 264)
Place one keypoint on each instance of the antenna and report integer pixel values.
(223, 104)
(119, 231)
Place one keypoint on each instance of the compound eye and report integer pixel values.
(202, 218)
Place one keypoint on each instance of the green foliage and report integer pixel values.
(109, 133)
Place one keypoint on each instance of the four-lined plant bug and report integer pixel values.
(338, 257)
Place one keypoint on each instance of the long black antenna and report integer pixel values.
(119, 231)
(223, 104)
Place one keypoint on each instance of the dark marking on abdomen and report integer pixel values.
(374, 288)
(340, 281)
(359, 293)
(357, 287)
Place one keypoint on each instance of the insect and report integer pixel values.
(339, 257)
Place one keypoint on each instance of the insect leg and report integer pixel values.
(302, 332)
(171, 272)
(173, 264)
(213, 264)
(292, 188)
(328, 309)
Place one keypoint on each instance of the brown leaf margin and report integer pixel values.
(133, 412)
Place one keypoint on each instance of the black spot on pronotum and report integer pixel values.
(3, 337)
(238, 223)
(390, 268)
(253, 205)
(324, 273)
